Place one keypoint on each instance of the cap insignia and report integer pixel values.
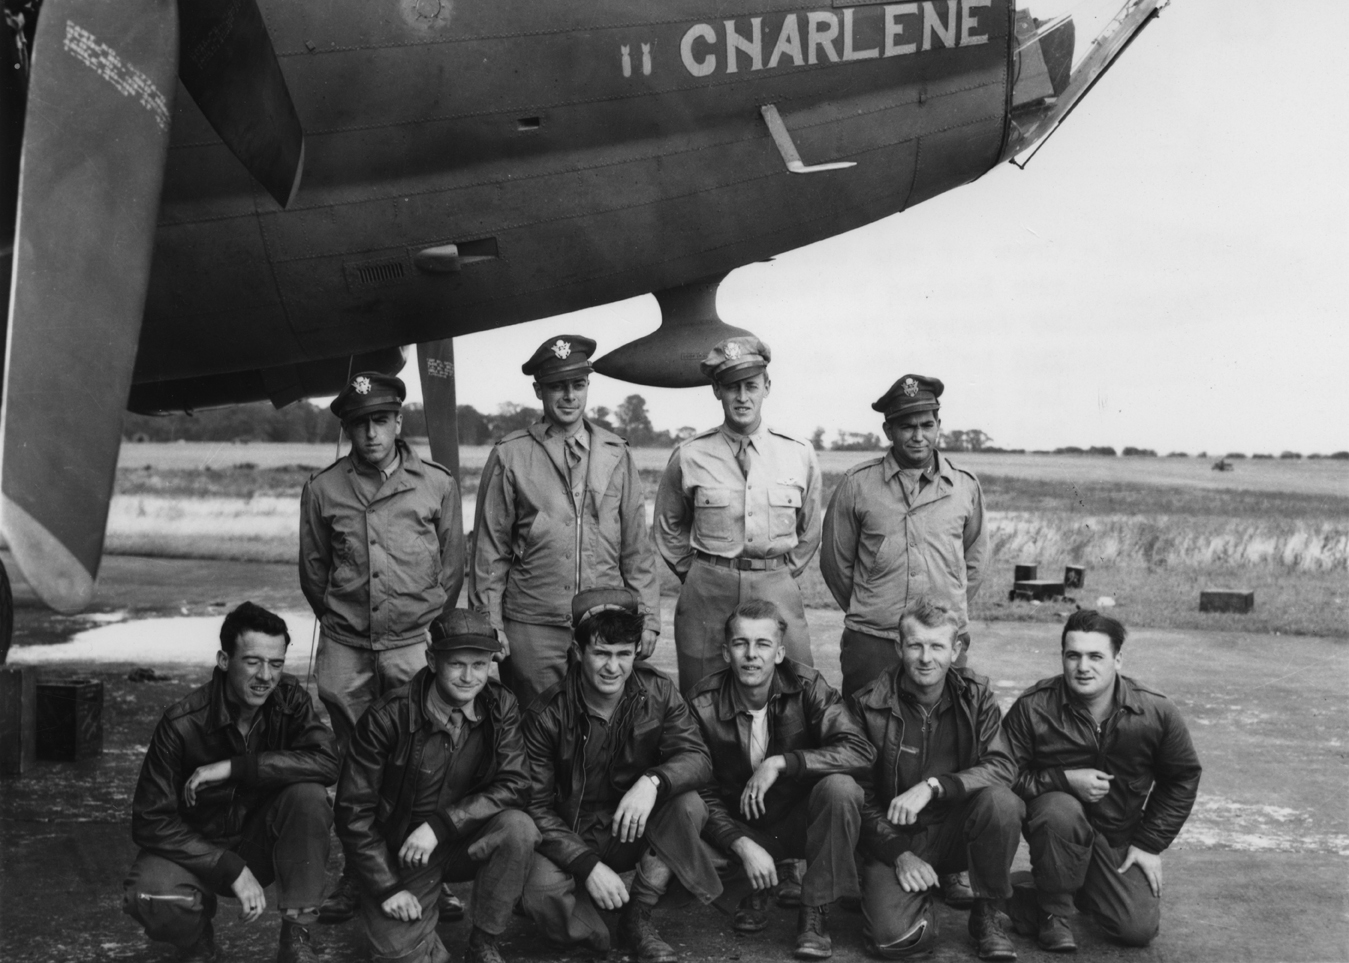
(910, 387)
(732, 350)
(361, 385)
(562, 349)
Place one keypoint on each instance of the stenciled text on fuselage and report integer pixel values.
(834, 36)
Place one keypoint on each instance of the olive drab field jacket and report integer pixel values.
(879, 554)
(380, 559)
(534, 548)
(1144, 744)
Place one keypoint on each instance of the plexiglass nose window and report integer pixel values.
(1059, 49)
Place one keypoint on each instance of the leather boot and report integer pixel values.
(789, 883)
(341, 903)
(297, 946)
(636, 929)
(1051, 932)
(482, 948)
(751, 916)
(956, 891)
(812, 933)
(201, 951)
(986, 928)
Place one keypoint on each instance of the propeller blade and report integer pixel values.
(229, 67)
(95, 137)
(435, 361)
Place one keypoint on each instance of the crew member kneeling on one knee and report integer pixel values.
(252, 759)
(938, 799)
(784, 752)
(616, 762)
(434, 788)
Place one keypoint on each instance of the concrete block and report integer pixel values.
(1240, 601)
(18, 719)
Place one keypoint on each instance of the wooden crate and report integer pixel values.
(69, 719)
(1025, 573)
(1240, 601)
(1074, 576)
(1042, 589)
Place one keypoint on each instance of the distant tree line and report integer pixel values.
(304, 422)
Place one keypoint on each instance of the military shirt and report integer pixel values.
(706, 503)
(883, 549)
(380, 557)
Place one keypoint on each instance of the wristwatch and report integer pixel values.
(934, 785)
(653, 777)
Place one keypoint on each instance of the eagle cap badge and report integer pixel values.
(910, 387)
(562, 349)
(361, 385)
(732, 350)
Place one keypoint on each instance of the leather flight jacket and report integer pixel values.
(293, 746)
(378, 787)
(1144, 744)
(982, 753)
(651, 732)
(808, 725)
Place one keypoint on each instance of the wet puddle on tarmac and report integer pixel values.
(177, 640)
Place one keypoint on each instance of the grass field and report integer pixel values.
(1152, 531)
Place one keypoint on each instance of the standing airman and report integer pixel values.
(560, 508)
(737, 514)
(381, 555)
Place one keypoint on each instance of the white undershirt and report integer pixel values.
(758, 736)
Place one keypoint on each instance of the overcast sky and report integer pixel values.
(1169, 271)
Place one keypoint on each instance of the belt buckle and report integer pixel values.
(744, 564)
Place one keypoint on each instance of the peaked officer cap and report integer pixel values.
(565, 356)
(910, 393)
(369, 392)
(736, 359)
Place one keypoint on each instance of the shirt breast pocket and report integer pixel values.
(784, 502)
(712, 521)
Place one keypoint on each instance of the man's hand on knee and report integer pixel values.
(402, 905)
(1149, 863)
(634, 809)
(208, 775)
(759, 864)
(756, 790)
(905, 807)
(914, 873)
(417, 848)
(606, 888)
(252, 899)
(1089, 785)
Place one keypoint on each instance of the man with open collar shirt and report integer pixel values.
(231, 797)
(1109, 775)
(617, 763)
(906, 526)
(737, 514)
(784, 750)
(560, 507)
(938, 799)
(433, 788)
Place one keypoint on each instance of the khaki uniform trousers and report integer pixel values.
(709, 595)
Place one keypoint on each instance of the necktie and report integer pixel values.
(573, 461)
(455, 725)
(742, 456)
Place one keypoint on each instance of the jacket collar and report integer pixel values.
(633, 689)
(940, 467)
(885, 693)
(409, 462)
(1126, 694)
(728, 703)
(605, 450)
(219, 714)
(484, 703)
